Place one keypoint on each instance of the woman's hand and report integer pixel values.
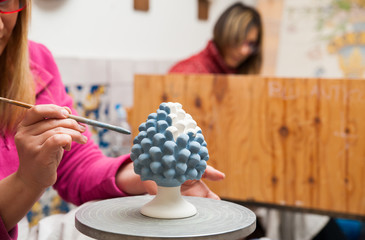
(131, 183)
(198, 188)
(193, 187)
(41, 139)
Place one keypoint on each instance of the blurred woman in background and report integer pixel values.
(236, 47)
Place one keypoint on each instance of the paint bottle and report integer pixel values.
(121, 142)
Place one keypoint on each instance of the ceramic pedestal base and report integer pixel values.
(168, 204)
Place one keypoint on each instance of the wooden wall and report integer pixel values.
(293, 142)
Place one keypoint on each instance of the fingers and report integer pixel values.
(150, 186)
(41, 112)
(44, 123)
(199, 189)
(59, 132)
(213, 174)
(212, 195)
(56, 125)
(56, 141)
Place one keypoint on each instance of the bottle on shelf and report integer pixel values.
(121, 143)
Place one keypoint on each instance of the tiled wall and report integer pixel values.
(98, 86)
(116, 74)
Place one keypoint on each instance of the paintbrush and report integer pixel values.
(77, 118)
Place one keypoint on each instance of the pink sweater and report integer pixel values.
(84, 173)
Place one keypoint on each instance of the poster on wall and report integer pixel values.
(322, 39)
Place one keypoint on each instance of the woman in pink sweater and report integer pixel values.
(41, 147)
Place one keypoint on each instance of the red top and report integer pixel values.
(207, 61)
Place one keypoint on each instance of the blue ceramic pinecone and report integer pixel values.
(158, 157)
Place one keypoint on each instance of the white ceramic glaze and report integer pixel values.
(168, 204)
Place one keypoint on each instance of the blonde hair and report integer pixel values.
(16, 81)
(231, 30)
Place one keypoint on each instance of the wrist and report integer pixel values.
(28, 186)
(128, 181)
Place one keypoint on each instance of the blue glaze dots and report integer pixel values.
(159, 157)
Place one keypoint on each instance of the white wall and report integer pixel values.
(107, 42)
(309, 28)
(113, 29)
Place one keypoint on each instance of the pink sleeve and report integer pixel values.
(84, 173)
(5, 235)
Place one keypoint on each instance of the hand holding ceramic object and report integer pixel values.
(169, 150)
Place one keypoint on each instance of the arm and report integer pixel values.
(42, 137)
(19, 197)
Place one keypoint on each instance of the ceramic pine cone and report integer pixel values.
(169, 148)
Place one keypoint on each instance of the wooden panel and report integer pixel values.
(141, 5)
(355, 156)
(203, 9)
(293, 142)
(261, 187)
(331, 160)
